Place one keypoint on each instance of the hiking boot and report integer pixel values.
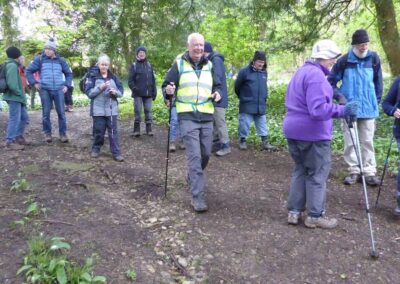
(181, 145)
(293, 218)
(322, 222)
(118, 158)
(64, 139)
(243, 145)
(14, 146)
(172, 147)
(396, 211)
(216, 146)
(94, 154)
(225, 150)
(48, 138)
(136, 129)
(70, 108)
(268, 147)
(148, 129)
(351, 179)
(372, 180)
(199, 205)
(22, 141)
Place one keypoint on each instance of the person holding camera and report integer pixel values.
(103, 88)
(308, 129)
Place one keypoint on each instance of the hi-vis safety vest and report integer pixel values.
(194, 92)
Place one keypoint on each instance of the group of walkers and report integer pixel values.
(196, 91)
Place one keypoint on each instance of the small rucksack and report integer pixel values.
(82, 82)
(3, 82)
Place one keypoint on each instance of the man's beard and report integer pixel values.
(359, 54)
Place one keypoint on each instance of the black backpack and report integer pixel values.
(3, 82)
(82, 82)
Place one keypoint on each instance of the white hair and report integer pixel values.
(194, 35)
(103, 59)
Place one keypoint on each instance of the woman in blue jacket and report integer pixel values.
(391, 107)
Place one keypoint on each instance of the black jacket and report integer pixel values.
(141, 79)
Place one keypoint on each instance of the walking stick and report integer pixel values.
(168, 141)
(384, 170)
(356, 144)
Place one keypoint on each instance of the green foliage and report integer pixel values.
(47, 262)
(131, 275)
(20, 184)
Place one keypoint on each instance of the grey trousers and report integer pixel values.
(308, 185)
(197, 137)
(220, 130)
(147, 103)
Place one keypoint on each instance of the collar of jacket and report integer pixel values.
(203, 61)
(354, 59)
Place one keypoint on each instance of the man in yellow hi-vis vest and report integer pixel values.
(192, 81)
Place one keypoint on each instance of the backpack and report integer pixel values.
(3, 82)
(342, 63)
(82, 82)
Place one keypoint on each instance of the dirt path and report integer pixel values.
(116, 211)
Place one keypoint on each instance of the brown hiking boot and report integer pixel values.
(14, 146)
(48, 138)
(322, 222)
(22, 141)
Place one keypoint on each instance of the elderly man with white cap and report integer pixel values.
(52, 86)
(308, 129)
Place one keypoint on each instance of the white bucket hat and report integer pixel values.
(325, 49)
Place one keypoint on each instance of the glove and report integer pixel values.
(350, 110)
(340, 98)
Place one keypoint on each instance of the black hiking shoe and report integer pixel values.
(351, 179)
(136, 129)
(148, 129)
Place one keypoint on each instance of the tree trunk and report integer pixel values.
(389, 34)
(8, 29)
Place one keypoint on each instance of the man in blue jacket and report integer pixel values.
(221, 137)
(361, 75)
(142, 83)
(52, 86)
(251, 88)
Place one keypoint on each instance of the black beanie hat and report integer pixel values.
(259, 55)
(13, 52)
(359, 36)
(141, 48)
(208, 47)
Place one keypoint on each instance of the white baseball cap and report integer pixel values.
(325, 49)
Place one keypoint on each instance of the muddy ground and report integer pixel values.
(117, 211)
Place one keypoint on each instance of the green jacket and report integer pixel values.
(15, 90)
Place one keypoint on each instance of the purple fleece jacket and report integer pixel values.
(309, 106)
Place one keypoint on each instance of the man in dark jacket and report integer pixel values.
(221, 138)
(16, 100)
(251, 88)
(52, 86)
(194, 84)
(142, 82)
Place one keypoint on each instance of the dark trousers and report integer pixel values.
(100, 124)
(146, 103)
(68, 97)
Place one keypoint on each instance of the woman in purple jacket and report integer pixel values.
(308, 129)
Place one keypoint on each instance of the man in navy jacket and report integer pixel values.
(251, 88)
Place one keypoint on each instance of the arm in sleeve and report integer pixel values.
(378, 81)
(334, 77)
(216, 82)
(390, 102)
(172, 76)
(120, 87)
(12, 79)
(32, 68)
(154, 84)
(92, 90)
(239, 82)
(67, 73)
(131, 78)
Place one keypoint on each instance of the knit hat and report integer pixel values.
(13, 52)
(141, 48)
(259, 55)
(359, 36)
(208, 47)
(325, 49)
(50, 44)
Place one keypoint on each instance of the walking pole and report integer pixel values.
(111, 120)
(356, 144)
(384, 170)
(168, 141)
